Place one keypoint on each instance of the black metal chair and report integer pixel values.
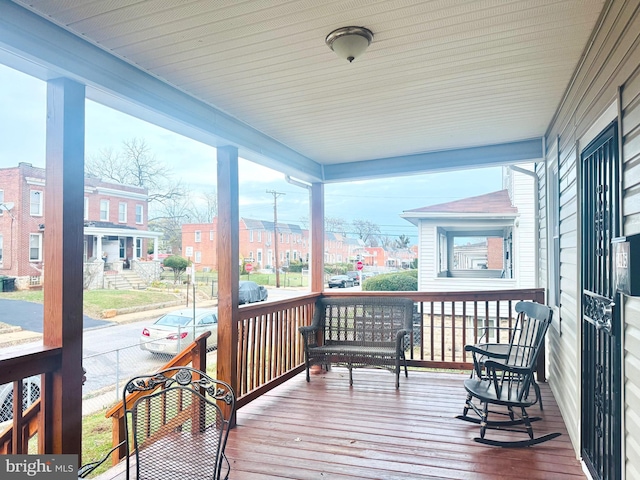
(507, 379)
(177, 426)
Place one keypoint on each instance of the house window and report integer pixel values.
(104, 210)
(198, 257)
(251, 256)
(86, 208)
(34, 280)
(259, 256)
(123, 247)
(122, 212)
(2, 201)
(251, 235)
(35, 247)
(554, 236)
(139, 214)
(260, 236)
(468, 254)
(138, 247)
(211, 235)
(35, 203)
(198, 236)
(1, 248)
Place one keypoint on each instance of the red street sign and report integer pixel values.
(359, 265)
(248, 267)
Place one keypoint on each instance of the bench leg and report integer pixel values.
(307, 365)
(350, 375)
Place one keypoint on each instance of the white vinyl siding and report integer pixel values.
(611, 62)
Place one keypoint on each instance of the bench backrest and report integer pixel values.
(364, 321)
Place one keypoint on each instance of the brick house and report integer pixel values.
(257, 244)
(115, 227)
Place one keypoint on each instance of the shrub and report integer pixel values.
(178, 264)
(392, 282)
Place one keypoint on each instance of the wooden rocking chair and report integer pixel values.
(508, 380)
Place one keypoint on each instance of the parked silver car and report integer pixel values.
(174, 331)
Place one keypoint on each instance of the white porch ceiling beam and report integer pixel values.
(61, 53)
(456, 159)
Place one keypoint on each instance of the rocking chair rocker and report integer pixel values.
(508, 380)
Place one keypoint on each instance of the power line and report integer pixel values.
(275, 231)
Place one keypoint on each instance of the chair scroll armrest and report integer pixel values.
(87, 468)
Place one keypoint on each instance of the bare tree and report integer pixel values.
(204, 207)
(366, 231)
(136, 165)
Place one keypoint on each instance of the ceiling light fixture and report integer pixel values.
(349, 42)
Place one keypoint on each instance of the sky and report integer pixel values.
(381, 201)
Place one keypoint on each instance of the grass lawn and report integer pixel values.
(95, 301)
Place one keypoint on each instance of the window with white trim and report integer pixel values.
(104, 210)
(138, 248)
(251, 235)
(2, 201)
(139, 214)
(260, 236)
(198, 236)
(35, 203)
(198, 257)
(35, 247)
(211, 237)
(122, 212)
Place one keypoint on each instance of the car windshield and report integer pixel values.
(173, 320)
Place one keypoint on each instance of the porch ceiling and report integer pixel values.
(438, 75)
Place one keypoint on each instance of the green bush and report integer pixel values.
(178, 264)
(298, 266)
(392, 282)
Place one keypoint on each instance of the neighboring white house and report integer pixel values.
(463, 243)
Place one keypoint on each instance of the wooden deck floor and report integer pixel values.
(327, 430)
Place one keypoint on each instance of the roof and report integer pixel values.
(443, 85)
(489, 203)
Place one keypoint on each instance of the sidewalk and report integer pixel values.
(12, 336)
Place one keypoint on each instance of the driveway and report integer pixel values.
(29, 315)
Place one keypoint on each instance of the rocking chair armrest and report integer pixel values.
(505, 367)
(485, 349)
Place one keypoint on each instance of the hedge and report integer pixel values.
(392, 282)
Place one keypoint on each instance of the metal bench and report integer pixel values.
(359, 332)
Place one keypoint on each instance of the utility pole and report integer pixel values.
(275, 232)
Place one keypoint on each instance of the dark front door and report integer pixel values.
(601, 330)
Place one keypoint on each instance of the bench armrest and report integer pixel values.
(400, 339)
(309, 334)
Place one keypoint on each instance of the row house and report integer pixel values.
(115, 224)
(257, 245)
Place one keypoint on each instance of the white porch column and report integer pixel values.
(155, 248)
(135, 247)
(98, 254)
